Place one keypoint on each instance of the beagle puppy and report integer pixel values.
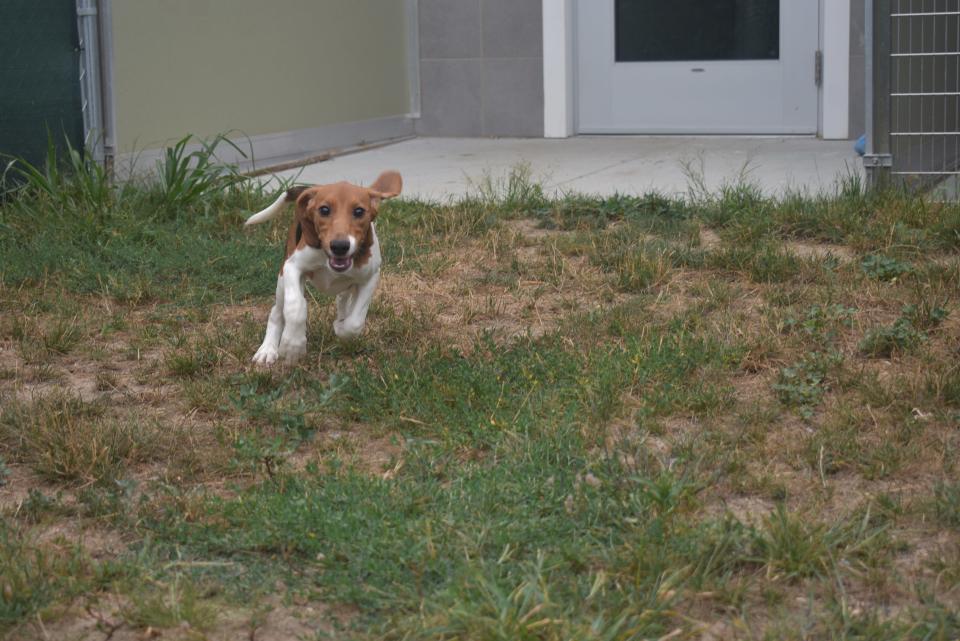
(331, 242)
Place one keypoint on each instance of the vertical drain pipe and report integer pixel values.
(109, 124)
(94, 27)
(90, 78)
(868, 74)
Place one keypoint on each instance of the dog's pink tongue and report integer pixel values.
(341, 264)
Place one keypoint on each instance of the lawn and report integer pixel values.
(712, 417)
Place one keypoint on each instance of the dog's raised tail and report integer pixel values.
(264, 215)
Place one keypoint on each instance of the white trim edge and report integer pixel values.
(413, 55)
(558, 61)
(836, 70)
(274, 148)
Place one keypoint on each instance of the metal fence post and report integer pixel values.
(877, 161)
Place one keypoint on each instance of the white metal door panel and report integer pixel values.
(697, 96)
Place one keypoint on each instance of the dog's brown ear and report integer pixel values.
(387, 185)
(307, 230)
(295, 192)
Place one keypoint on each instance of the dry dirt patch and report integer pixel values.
(820, 251)
(277, 618)
(462, 301)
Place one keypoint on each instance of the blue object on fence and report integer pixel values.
(861, 145)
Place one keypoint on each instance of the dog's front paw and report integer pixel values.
(347, 330)
(292, 351)
(266, 355)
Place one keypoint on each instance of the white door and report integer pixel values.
(697, 66)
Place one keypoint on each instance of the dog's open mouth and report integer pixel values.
(341, 263)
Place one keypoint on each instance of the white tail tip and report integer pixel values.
(268, 213)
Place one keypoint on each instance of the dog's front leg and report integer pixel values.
(267, 354)
(293, 342)
(351, 325)
(345, 301)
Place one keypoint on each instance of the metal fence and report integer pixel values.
(913, 91)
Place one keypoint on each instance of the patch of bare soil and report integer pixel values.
(16, 488)
(98, 543)
(276, 618)
(709, 240)
(820, 251)
(749, 510)
(529, 229)
(677, 295)
(113, 374)
(929, 552)
(9, 359)
(464, 300)
(751, 389)
(623, 433)
(375, 455)
(236, 315)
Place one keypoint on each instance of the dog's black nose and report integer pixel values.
(339, 247)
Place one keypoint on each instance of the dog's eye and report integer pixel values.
(324, 211)
(359, 212)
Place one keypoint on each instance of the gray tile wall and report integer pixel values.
(481, 68)
(858, 107)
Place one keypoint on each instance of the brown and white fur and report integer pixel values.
(333, 243)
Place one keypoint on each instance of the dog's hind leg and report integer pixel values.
(267, 354)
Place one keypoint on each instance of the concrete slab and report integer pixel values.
(443, 168)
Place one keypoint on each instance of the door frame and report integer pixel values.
(560, 83)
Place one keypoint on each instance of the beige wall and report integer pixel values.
(259, 66)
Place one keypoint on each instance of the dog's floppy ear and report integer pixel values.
(387, 185)
(307, 230)
(295, 192)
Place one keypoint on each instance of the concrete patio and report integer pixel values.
(442, 168)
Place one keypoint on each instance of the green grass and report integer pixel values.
(947, 503)
(905, 333)
(438, 535)
(600, 418)
(489, 394)
(36, 575)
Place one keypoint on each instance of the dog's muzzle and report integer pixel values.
(340, 261)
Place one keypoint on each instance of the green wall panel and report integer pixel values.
(39, 77)
(209, 66)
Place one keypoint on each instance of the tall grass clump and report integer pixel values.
(66, 224)
(650, 213)
(516, 193)
(416, 227)
(73, 184)
(741, 206)
(64, 438)
(794, 547)
(187, 178)
(869, 220)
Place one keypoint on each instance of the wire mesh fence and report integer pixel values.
(916, 90)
